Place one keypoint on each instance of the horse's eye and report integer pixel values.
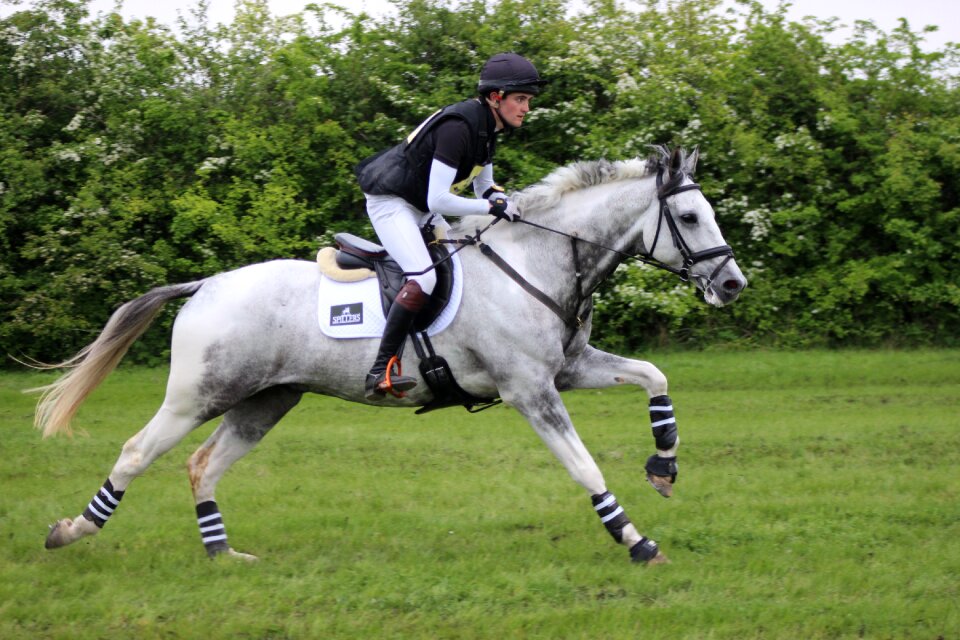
(689, 218)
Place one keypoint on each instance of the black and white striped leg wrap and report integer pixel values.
(611, 514)
(103, 504)
(212, 531)
(663, 422)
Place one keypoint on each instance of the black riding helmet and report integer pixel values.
(509, 73)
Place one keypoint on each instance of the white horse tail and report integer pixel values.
(60, 400)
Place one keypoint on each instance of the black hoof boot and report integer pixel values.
(662, 473)
(647, 552)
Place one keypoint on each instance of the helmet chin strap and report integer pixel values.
(495, 105)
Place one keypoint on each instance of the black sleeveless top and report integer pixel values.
(404, 170)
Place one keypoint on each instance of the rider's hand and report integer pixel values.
(502, 208)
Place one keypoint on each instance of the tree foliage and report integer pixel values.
(134, 154)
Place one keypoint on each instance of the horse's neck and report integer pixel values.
(608, 219)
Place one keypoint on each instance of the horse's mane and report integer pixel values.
(545, 195)
(580, 175)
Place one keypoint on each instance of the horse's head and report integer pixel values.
(684, 235)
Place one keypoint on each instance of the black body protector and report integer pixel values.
(404, 170)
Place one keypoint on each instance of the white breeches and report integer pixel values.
(398, 224)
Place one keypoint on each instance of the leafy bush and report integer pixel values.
(133, 154)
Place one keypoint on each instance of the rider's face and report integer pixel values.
(514, 107)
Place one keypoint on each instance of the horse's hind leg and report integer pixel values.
(166, 429)
(243, 427)
(594, 369)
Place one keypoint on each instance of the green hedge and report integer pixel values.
(134, 154)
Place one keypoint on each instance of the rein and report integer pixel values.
(690, 258)
(573, 320)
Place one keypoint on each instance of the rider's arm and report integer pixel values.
(452, 143)
(441, 200)
(483, 184)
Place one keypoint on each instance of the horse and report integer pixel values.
(246, 345)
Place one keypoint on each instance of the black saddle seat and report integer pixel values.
(356, 253)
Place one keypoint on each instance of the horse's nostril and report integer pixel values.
(731, 285)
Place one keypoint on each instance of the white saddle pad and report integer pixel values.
(353, 309)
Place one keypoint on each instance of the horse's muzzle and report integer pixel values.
(724, 284)
(724, 291)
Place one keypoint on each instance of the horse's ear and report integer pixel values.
(676, 161)
(690, 164)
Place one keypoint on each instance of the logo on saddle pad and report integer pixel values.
(342, 314)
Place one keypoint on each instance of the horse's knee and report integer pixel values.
(646, 375)
(655, 382)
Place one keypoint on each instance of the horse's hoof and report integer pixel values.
(658, 559)
(229, 552)
(55, 538)
(246, 557)
(663, 484)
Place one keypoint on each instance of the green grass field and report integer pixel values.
(819, 497)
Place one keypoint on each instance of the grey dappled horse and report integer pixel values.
(247, 346)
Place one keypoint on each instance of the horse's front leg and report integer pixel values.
(595, 369)
(545, 411)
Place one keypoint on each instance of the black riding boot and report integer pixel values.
(406, 306)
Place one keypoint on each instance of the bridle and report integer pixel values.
(690, 258)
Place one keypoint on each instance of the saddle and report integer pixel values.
(356, 254)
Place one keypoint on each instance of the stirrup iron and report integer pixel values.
(391, 381)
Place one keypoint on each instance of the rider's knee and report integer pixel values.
(427, 281)
(412, 297)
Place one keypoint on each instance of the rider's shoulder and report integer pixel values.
(452, 127)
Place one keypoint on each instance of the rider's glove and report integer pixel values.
(502, 208)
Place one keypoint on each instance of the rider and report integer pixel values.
(417, 182)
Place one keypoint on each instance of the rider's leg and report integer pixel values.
(397, 225)
(399, 320)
